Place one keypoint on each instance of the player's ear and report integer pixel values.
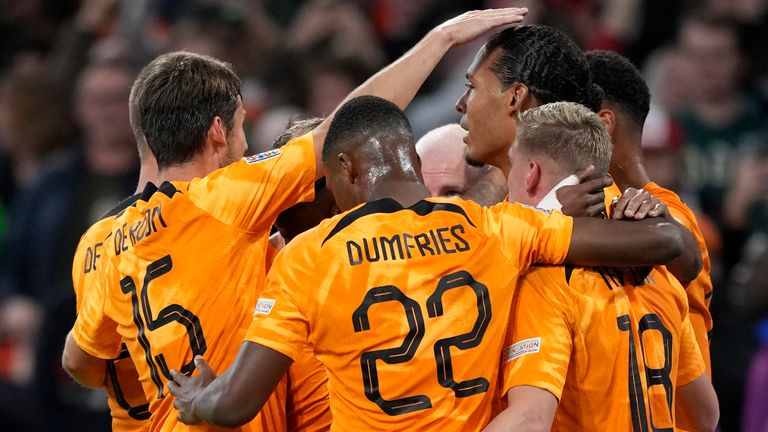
(532, 177)
(347, 168)
(217, 136)
(517, 99)
(609, 118)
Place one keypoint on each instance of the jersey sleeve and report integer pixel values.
(278, 321)
(691, 361)
(529, 235)
(250, 193)
(539, 339)
(94, 331)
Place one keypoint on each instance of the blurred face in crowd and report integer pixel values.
(712, 54)
(485, 114)
(102, 105)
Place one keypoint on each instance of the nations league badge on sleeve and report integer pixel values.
(261, 157)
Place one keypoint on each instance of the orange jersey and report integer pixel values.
(404, 306)
(186, 264)
(610, 344)
(699, 290)
(127, 404)
(307, 402)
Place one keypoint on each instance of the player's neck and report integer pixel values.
(627, 163)
(405, 192)
(196, 168)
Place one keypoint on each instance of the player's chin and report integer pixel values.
(471, 159)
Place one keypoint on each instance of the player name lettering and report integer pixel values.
(615, 277)
(126, 236)
(91, 256)
(444, 240)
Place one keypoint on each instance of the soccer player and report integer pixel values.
(127, 404)
(447, 173)
(356, 286)
(624, 109)
(307, 405)
(184, 265)
(594, 348)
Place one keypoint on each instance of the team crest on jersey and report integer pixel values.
(264, 306)
(518, 349)
(261, 157)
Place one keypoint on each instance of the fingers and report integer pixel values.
(658, 210)
(595, 209)
(622, 202)
(179, 377)
(585, 174)
(641, 196)
(205, 370)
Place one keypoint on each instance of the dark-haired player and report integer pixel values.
(185, 264)
(585, 337)
(625, 106)
(403, 297)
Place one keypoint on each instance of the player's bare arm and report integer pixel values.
(652, 241)
(530, 409)
(699, 401)
(84, 368)
(633, 204)
(235, 397)
(400, 81)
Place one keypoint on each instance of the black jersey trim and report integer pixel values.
(388, 205)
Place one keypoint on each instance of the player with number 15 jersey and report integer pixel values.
(182, 269)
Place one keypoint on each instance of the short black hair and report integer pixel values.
(176, 98)
(547, 61)
(622, 83)
(363, 118)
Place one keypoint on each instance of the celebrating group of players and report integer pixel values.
(404, 311)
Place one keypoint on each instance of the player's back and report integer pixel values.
(611, 343)
(405, 306)
(186, 280)
(128, 406)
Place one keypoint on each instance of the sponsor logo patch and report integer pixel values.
(261, 157)
(518, 349)
(264, 306)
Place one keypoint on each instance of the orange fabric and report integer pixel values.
(186, 266)
(699, 290)
(127, 403)
(307, 401)
(381, 276)
(574, 332)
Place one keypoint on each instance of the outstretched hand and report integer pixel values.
(638, 204)
(186, 389)
(471, 25)
(587, 198)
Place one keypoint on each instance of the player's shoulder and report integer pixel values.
(551, 277)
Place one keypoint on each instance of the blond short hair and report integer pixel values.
(568, 133)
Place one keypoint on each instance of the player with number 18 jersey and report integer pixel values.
(184, 270)
(406, 306)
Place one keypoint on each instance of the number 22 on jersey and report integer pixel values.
(406, 351)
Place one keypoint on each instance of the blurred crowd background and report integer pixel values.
(67, 152)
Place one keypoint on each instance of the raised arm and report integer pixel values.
(400, 81)
(235, 397)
